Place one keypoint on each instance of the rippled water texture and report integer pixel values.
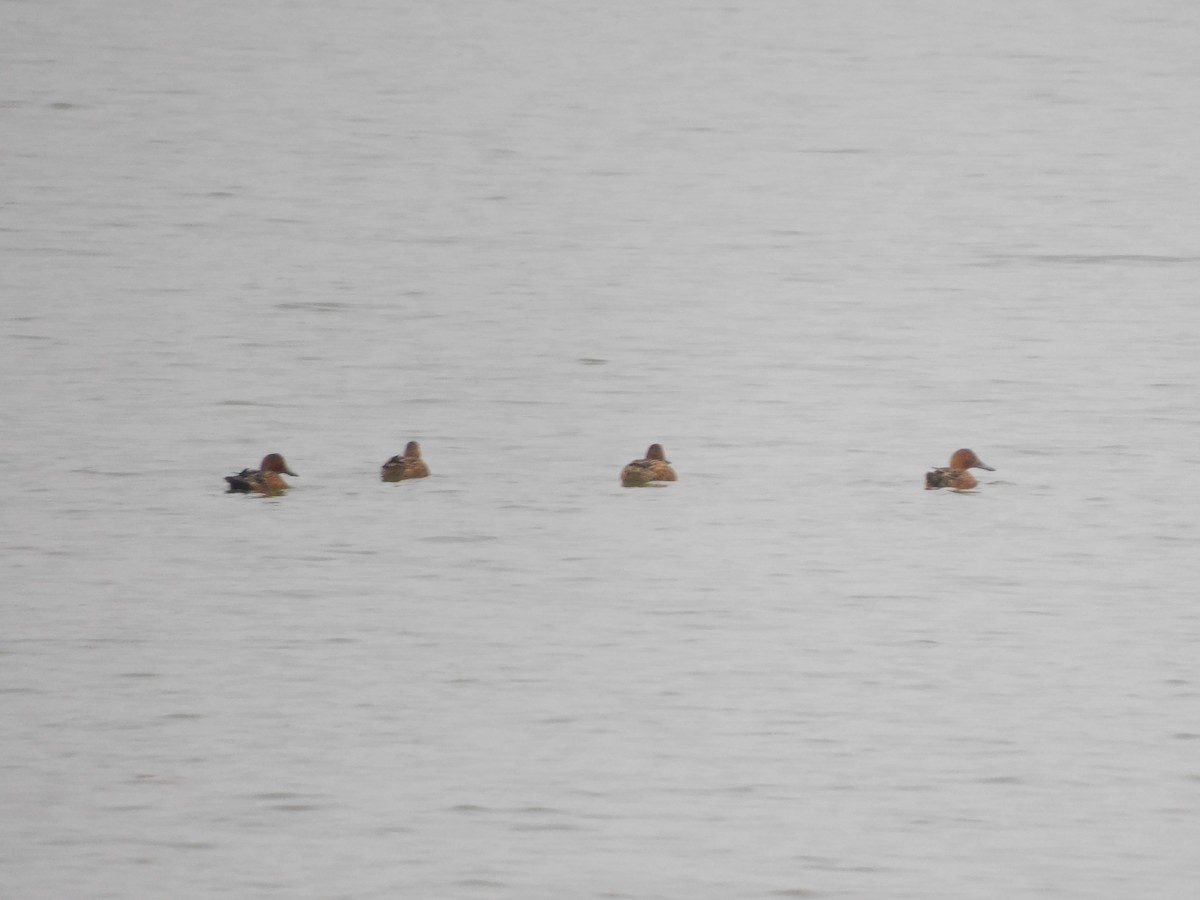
(811, 248)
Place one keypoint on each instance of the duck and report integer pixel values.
(263, 480)
(406, 465)
(955, 476)
(655, 467)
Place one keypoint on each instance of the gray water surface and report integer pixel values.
(812, 248)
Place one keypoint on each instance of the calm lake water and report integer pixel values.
(812, 248)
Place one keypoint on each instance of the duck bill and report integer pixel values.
(983, 465)
(290, 472)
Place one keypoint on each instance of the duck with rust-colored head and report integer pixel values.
(955, 476)
(655, 467)
(263, 480)
(407, 465)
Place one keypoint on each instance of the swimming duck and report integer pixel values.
(407, 465)
(263, 480)
(655, 467)
(956, 476)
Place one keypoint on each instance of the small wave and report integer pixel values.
(1093, 259)
(312, 305)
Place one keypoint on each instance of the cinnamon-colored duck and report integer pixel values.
(406, 465)
(955, 476)
(266, 479)
(655, 467)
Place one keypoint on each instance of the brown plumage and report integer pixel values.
(655, 467)
(263, 480)
(955, 476)
(407, 465)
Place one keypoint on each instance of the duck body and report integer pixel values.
(655, 467)
(406, 465)
(956, 476)
(266, 479)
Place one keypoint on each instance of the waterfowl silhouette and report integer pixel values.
(407, 465)
(955, 476)
(263, 480)
(655, 467)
